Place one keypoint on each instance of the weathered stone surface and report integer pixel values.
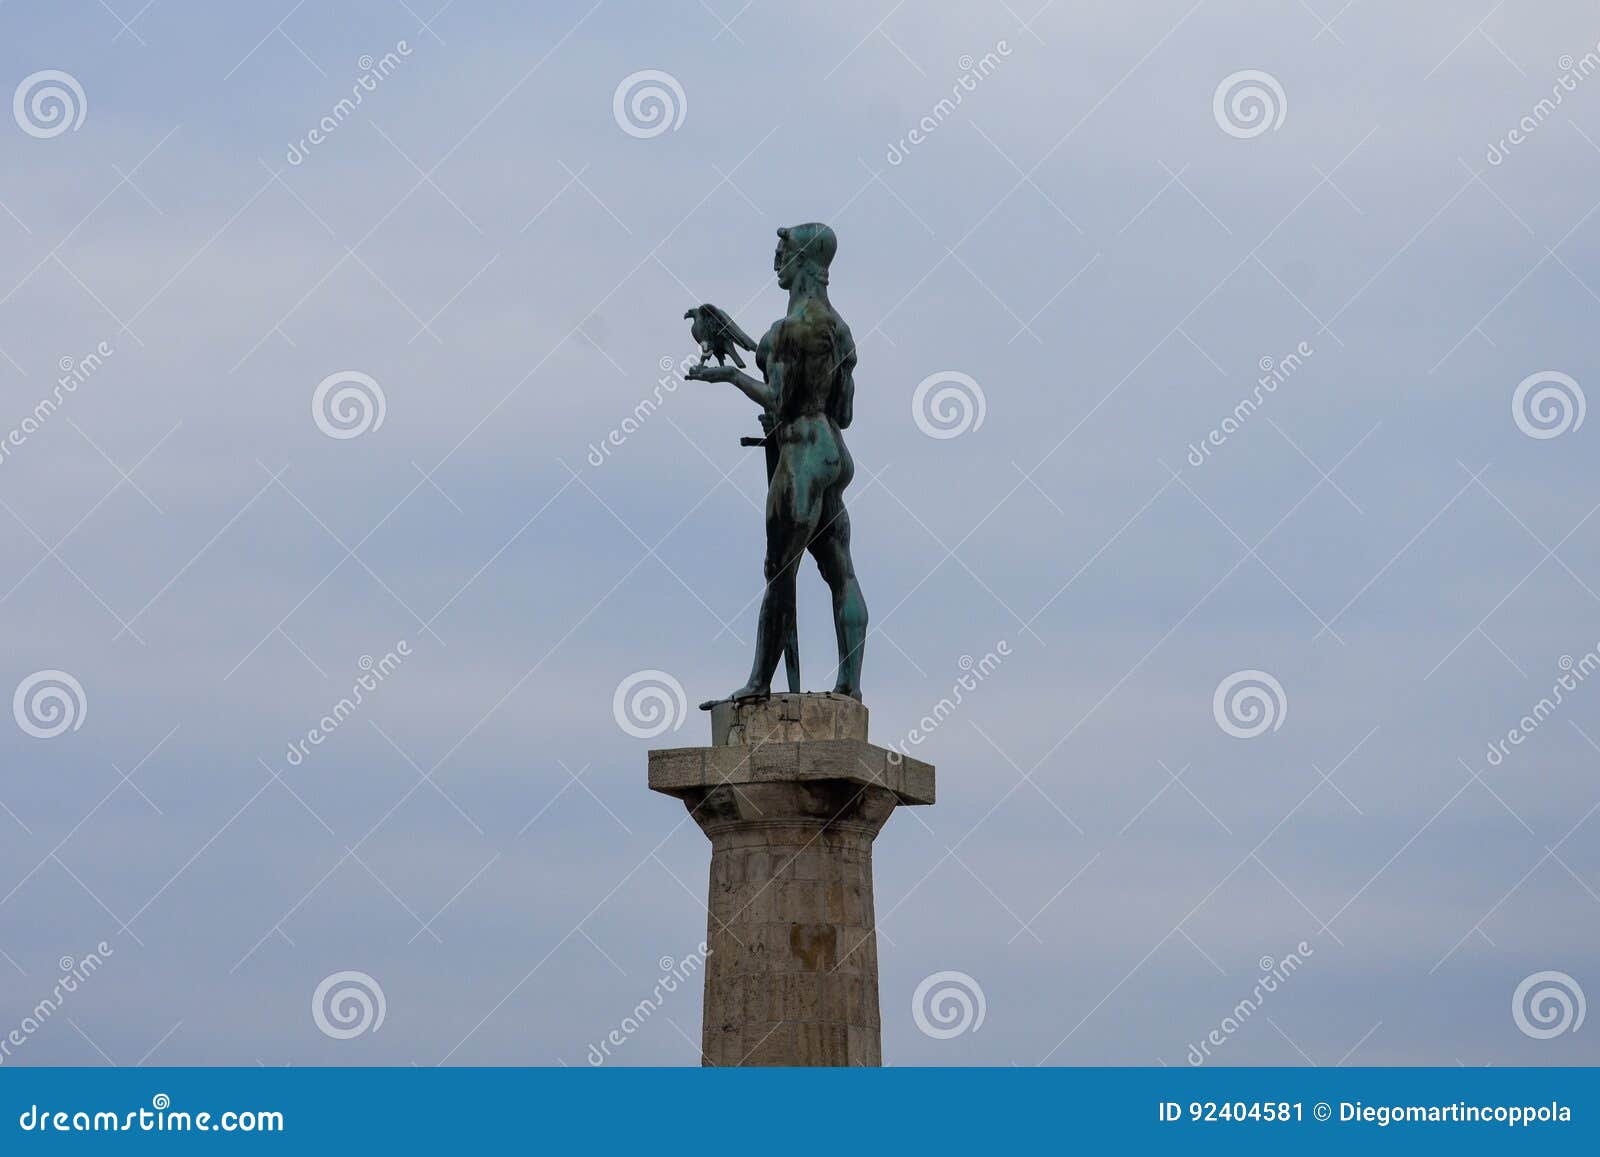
(787, 718)
(683, 767)
(682, 770)
(791, 795)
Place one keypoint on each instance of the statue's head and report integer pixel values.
(804, 250)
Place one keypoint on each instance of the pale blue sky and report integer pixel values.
(1080, 237)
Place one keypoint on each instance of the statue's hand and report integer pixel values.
(710, 373)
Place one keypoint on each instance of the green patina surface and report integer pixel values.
(806, 393)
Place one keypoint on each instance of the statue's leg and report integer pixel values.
(791, 642)
(831, 548)
(794, 507)
(776, 622)
(791, 654)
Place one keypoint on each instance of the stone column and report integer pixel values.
(791, 795)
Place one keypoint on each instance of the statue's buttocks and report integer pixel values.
(807, 362)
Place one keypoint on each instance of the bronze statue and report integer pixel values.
(807, 361)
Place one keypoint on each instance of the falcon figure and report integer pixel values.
(718, 335)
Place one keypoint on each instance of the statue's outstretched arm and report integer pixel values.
(759, 392)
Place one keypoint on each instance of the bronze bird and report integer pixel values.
(718, 335)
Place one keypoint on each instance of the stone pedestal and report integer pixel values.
(791, 795)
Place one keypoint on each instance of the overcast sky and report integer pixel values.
(1098, 250)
